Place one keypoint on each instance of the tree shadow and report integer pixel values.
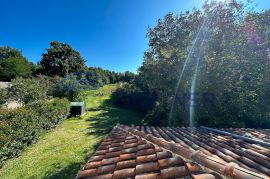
(70, 171)
(65, 173)
(110, 115)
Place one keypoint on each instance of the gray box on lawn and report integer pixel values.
(77, 108)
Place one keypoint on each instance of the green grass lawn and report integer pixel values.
(61, 152)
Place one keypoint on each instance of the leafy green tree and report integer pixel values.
(8, 52)
(14, 67)
(61, 59)
(13, 64)
(128, 76)
(234, 67)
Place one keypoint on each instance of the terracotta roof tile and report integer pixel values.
(204, 176)
(115, 149)
(147, 158)
(104, 147)
(130, 145)
(96, 158)
(124, 173)
(145, 146)
(101, 152)
(192, 167)
(148, 176)
(117, 144)
(163, 154)
(129, 150)
(112, 154)
(164, 163)
(109, 160)
(91, 165)
(147, 167)
(87, 173)
(105, 169)
(127, 156)
(146, 152)
(126, 164)
(131, 141)
(105, 176)
(174, 172)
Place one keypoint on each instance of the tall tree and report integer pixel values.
(13, 64)
(61, 59)
(233, 77)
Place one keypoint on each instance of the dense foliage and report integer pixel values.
(22, 126)
(3, 96)
(27, 90)
(97, 77)
(127, 95)
(13, 64)
(61, 59)
(233, 76)
(68, 87)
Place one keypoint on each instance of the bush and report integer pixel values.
(68, 87)
(22, 126)
(27, 90)
(3, 96)
(127, 95)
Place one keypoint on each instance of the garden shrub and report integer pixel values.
(22, 126)
(68, 87)
(27, 90)
(128, 95)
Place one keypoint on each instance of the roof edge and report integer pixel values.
(224, 168)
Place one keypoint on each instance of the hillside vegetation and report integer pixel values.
(61, 152)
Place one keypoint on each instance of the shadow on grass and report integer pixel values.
(99, 126)
(110, 115)
(66, 173)
(70, 171)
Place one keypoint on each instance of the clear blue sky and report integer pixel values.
(108, 33)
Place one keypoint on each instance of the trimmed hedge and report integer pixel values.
(22, 126)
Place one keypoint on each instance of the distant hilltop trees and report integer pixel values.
(13, 64)
(61, 60)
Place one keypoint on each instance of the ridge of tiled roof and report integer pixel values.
(127, 153)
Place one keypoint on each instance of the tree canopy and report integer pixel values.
(233, 76)
(61, 59)
(13, 64)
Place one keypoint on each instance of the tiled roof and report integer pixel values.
(225, 148)
(261, 134)
(123, 155)
(166, 152)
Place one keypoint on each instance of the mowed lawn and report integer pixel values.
(61, 152)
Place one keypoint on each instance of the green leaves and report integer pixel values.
(235, 67)
(22, 126)
(61, 59)
(27, 90)
(3, 96)
(13, 64)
